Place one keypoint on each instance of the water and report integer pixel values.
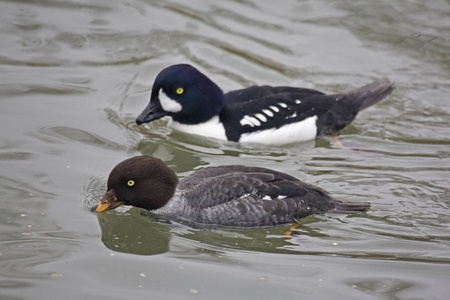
(75, 74)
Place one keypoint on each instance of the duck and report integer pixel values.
(219, 196)
(258, 114)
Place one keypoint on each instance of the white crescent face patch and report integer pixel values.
(168, 104)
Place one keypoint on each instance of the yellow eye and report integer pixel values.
(130, 182)
(180, 91)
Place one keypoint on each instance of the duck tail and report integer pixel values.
(371, 93)
(350, 207)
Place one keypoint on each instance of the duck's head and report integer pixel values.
(141, 181)
(185, 94)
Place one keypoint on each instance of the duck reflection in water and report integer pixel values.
(134, 232)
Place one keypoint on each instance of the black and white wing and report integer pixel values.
(241, 196)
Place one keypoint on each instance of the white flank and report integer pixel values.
(284, 105)
(298, 101)
(304, 130)
(169, 104)
(212, 128)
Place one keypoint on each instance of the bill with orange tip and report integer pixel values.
(109, 201)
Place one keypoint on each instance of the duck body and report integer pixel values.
(260, 114)
(231, 196)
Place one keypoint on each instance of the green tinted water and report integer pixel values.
(74, 76)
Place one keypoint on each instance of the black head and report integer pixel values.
(185, 94)
(141, 181)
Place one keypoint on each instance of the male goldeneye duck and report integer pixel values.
(259, 114)
(231, 196)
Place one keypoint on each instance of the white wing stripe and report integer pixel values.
(274, 108)
(261, 117)
(269, 113)
(248, 120)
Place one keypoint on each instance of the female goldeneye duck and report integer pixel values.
(259, 114)
(231, 196)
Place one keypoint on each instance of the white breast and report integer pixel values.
(212, 128)
(304, 130)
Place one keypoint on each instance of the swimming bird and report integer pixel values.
(258, 114)
(230, 196)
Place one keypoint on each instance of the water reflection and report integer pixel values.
(133, 233)
(77, 73)
(137, 231)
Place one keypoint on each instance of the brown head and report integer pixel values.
(141, 181)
